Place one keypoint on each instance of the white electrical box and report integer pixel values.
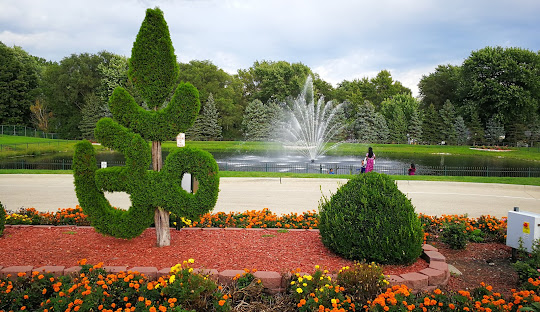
(524, 225)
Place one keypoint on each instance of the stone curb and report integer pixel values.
(436, 275)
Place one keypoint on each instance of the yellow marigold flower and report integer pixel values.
(172, 278)
(300, 280)
(299, 290)
(317, 267)
(292, 282)
(191, 260)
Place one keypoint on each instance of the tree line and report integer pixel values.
(491, 98)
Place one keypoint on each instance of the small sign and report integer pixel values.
(103, 164)
(181, 140)
(526, 228)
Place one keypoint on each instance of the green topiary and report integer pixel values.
(154, 71)
(2, 219)
(369, 219)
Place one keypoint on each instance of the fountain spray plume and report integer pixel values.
(311, 126)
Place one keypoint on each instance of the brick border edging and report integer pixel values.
(428, 279)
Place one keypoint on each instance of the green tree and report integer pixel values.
(67, 85)
(18, 83)
(431, 126)
(206, 126)
(476, 129)
(448, 120)
(440, 86)
(503, 82)
(382, 87)
(461, 131)
(375, 90)
(92, 111)
(494, 130)
(227, 91)
(370, 126)
(260, 121)
(273, 81)
(395, 120)
(415, 127)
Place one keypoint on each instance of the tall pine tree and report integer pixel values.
(415, 127)
(206, 126)
(461, 131)
(260, 121)
(448, 121)
(431, 126)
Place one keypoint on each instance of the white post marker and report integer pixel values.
(181, 140)
(186, 179)
(103, 164)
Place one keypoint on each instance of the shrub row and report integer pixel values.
(356, 288)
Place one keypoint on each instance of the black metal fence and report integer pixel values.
(308, 168)
(26, 131)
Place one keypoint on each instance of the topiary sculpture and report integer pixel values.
(2, 219)
(370, 219)
(154, 71)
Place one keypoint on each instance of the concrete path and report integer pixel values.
(48, 192)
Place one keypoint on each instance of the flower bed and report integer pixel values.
(491, 228)
(184, 289)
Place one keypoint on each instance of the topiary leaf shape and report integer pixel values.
(152, 67)
(162, 125)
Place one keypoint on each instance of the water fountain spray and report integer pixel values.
(310, 126)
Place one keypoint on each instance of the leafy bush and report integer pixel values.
(370, 219)
(2, 218)
(455, 235)
(362, 281)
(528, 263)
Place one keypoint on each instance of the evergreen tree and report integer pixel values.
(382, 133)
(92, 111)
(260, 121)
(448, 121)
(494, 130)
(476, 129)
(461, 131)
(396, 122)
(431, 126)
(415, 127)
(206, 126)
(370, 126)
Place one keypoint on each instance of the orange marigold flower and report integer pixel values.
(221, 302)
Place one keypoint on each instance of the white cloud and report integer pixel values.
(342, 39)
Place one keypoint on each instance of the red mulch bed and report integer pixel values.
(264, 250)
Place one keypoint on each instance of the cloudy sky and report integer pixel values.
(338, 39)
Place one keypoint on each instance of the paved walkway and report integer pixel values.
(48, 192)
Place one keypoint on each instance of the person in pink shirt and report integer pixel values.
(370, 160)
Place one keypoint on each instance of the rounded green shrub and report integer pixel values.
(370, 219)
(2, 219)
